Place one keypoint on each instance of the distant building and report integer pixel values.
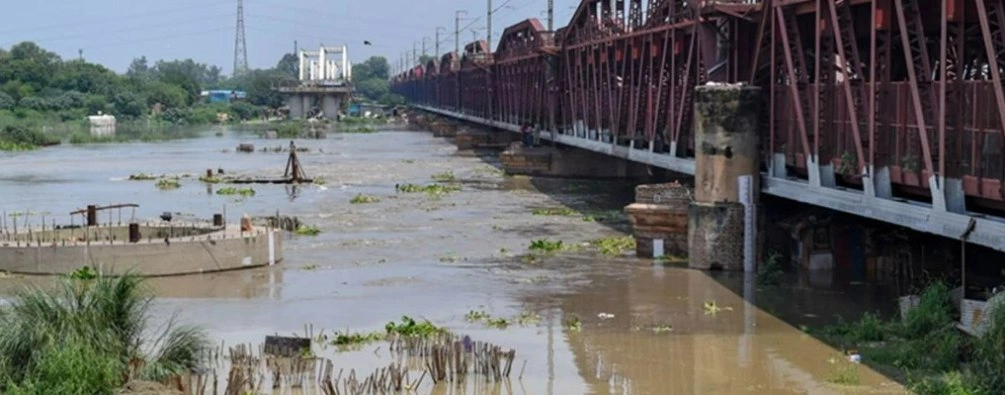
(224, 96)
(368, 110)
(102, 125)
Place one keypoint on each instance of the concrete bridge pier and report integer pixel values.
(567, 162)
(722, 219)
(302, 99)
(473, 138)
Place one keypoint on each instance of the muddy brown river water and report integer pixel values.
(644, 328)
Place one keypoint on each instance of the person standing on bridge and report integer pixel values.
(526, 134)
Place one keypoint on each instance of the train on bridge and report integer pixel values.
(890, 109)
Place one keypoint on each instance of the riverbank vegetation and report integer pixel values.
(926, 350)
(44, 99)
(90, 337)
(372, 80)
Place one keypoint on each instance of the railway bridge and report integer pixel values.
(892, 110)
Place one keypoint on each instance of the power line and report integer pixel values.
(101, 21)
(123, 30)
(295, 22)
(345, 18)
(162, 37)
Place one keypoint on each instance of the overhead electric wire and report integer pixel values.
(314, 25)
(162, 37)
(95, 21)
(344, 17)
(129, 29)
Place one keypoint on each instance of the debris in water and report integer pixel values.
(447, 176)
(168, 183)
(311, 230)
(228, 191)
(364, 199)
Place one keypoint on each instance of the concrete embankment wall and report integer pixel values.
(155, 258)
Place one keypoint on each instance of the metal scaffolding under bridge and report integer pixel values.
(888, 109)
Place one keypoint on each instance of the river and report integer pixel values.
(644, 328)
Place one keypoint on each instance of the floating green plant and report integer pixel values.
(475, 316)
(356, 338)
(573, 324)
(210, 179)
(305, 230)
(410, 327)
(142, 177)
(364, 199)
(615, 246)
(547, 246)
(555, 211)
(447, 176)
(432, 189)
(230, 191)
(168, 183)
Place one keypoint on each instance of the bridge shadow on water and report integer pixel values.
(596, 200)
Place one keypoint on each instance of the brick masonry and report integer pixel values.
(660, 212)
(715, 236)
(517, 160)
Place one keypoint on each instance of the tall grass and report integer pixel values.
(90, 337)
(989, 366)
(928, 350)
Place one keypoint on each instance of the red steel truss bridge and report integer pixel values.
(888, 109)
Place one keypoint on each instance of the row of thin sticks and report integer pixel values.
(445, 358)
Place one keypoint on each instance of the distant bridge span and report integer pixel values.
(888, 109)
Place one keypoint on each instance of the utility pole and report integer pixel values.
(438, 40)
(488, 32)
(415, 57)
(457, 30)
(551, 14)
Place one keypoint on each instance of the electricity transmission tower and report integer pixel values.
(240, 48)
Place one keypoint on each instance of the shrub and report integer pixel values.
(989, 367)
(86, 337)
(933, 312)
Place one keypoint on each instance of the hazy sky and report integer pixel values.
(113, 32)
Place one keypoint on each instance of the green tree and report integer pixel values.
(6, 101)
(166, 94)
(183, 81)
(28, 63)
(128, 104)
(289, 65)
(372, 88)
(371, 80)
(85, 77)
(374, 67)
(139, 70)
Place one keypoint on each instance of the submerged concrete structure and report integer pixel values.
(324, 83)
(153, 249)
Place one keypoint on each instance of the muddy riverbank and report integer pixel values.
(643, 328)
